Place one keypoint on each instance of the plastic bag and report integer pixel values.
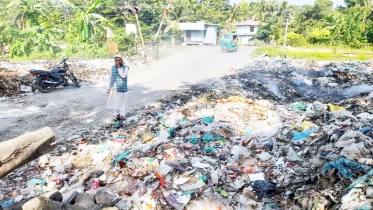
(298, 106)
(34, 182)
(8, 203)
(119, 158)
(365, 130)
(335, 108)
(208, 137)
(345, 167)
(264, 189)
(207, 120)
(302, 135)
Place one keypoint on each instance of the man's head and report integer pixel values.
(118, 60)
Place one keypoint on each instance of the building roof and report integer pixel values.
(248, 23)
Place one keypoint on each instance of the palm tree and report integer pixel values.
(87, 20)
(176, 14)
(29, 12)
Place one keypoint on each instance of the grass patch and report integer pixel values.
(314, 54)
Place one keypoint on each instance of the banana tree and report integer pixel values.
(88, 22)
(30, 12)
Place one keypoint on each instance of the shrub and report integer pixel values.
(319, 36)
(293, 39)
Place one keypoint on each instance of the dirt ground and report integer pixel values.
(71, 111)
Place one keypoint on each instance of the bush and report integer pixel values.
(319, 36)
(259, 43)
(293, 39)
(127, 43)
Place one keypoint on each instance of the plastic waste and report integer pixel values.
(119, 158)
(264, 189)
(34, 182)
(298, 106)
(8, 203)
(175, 165)
(264, 156)
(207, 120)
(365, 207)
(248, 130)
(172, 132)
(255, 177)
(208, 137)
(209, 149)
(366, 130)
(345, 167)
(335, 108)
(193, 140)
(302, 135)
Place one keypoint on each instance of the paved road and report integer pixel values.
(73, 109)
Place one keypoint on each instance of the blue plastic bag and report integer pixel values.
(8, 203)
(207, 119)
(193, 140)
(365, 130)
(302, 135)
(34, 182)
(119, 158)
(248, 130)
(365, 207)
(345, 167)
(208, 137)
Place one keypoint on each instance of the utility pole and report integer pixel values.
(286, 15)
(135, 10)
(164, 15)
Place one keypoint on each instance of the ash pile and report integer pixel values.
(274, 135)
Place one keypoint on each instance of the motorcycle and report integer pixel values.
(46, 81)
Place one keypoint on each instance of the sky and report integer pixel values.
(301, 2)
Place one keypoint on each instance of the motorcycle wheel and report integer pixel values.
(75, 80)
(42, 87)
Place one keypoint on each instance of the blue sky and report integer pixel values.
(301, 2)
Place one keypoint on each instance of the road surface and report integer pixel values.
(72, 110)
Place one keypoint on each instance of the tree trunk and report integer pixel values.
(23, 149)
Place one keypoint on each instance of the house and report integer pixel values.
(199, 33)
(246, 30)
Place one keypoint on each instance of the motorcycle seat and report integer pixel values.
(54, 70)
(42, 71)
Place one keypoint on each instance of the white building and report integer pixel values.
(247, 30)
(199, 33)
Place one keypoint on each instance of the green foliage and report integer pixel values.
(309, 55)
(35, 40)
(293, 39)
(269, 30)
(127, 44)
(89, 23)
(319, 36)
(87, 51)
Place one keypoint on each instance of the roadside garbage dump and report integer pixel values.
(273, 135)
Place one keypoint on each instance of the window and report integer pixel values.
(251, 29)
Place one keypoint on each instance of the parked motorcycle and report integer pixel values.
(46, 81)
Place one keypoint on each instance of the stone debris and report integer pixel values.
(273, 135)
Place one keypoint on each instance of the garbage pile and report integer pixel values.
(257, 139)
(12, 83)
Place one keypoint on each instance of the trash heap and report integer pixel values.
(257, 139)
(12, 83)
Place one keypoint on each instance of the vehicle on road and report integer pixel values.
(46, 81)
(229, 42)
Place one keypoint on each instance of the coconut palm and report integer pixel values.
(176, 14)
